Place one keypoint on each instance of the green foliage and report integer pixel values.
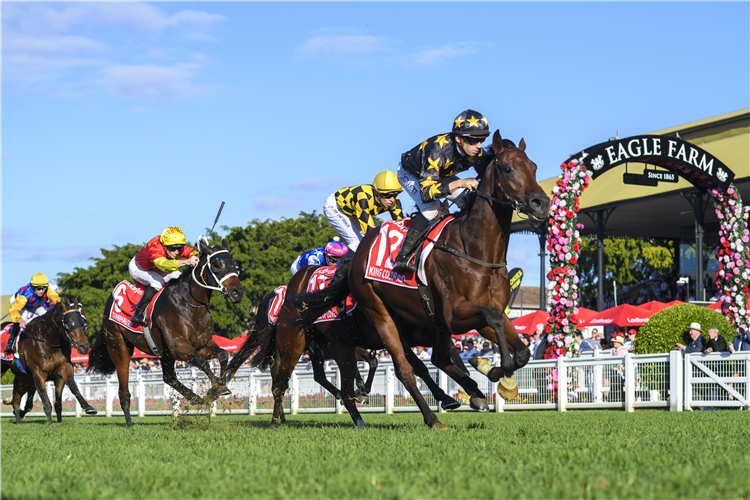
(626, 260)
(641, 455)
(7, 378)
(264, 251)
(669, 327)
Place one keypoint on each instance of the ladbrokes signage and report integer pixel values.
(677, 156)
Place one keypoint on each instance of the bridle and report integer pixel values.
(228, 273)
(78, 321)
(514, 204)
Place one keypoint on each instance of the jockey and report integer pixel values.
(427, 173)
(157, 262)
(321, 256)
(351, 210)
(29, 301)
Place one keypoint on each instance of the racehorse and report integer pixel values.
(11, 365)
(182, 328)
(44, 352)
(282, 344)
(467, 274)
(318, 358)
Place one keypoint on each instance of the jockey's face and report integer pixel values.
(40, 290)
(386, 199)
(172, 254)
(470, 145)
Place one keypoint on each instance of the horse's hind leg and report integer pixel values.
(120, 356)
(347, 362)
(30, 393)
(290, 344)
(211, 351)
(87, 408)
(421, 371)
(20, 386)
(59, 386)
(40, 381)
(441, 357)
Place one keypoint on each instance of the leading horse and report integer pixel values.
(182, 328)
(468, 284)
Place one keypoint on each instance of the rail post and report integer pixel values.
(597, 379)
(337, 402)
(687, 384)
(562, 384)
(443, 384)
(675, 381)
(252, 396)
(629, 383)
(109, 397)
(499, 401)
(141, 396)
(295, 393)
(389, 389)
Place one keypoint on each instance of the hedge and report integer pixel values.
(669, 327)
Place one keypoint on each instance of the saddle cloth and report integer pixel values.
(384, 251)
(320, 279)
(278, 300)
(126, 296)
(4, 340)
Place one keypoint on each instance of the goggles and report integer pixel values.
(471, 141)
(173, 248)
(39, 288)
(390, 195)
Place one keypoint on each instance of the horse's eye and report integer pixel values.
(507, 170)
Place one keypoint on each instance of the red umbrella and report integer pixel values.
(716, 306)
(140, 354)
(584, 315)
(231, 345)
(527, 323)
(655, 306)
(624, 315)
(75, 357)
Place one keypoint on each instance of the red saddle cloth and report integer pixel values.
(320, 279)
(278, 300)
(4, 340)
(385, 250)
(127, 295)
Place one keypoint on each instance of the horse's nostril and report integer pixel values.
(536, 203)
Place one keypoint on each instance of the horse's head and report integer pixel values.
(515, 179)
(74, 324)
(219, 271)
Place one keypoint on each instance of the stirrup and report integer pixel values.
(139, 317)
(409, 263)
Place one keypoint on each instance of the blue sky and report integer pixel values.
(120, 119)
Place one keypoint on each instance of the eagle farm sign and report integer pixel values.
(678, 157)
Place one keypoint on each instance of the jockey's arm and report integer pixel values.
(16, 307)
(53, 296)
(396, 210)
(363, 210)
(170, 265)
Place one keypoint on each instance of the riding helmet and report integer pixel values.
(335, 248)
(172, 235)
(472, 123)
(39, 279)
(387, 182)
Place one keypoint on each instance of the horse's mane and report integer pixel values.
(507, 144)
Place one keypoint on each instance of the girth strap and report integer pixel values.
(424, 296)
(150, 341)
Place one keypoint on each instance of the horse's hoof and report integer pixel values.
(482, 365)
(363, 399)
(224, 391)
(8, 400)
(508, 388)
(439, 426)
(274, 425)
(463, 396)
(495, 374)
(479, 404)
(448, 403)
(91, 410)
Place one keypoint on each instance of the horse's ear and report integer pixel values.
(522, 145)
(205, 248)
(224, 243)
(497, 142)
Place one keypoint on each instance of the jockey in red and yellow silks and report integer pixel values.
(157, 262)
(30, 301)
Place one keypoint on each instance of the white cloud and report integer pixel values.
(435, 56)
(16, 249)
(342, 45)
(150, 82)
(277, 204)
(40, 56)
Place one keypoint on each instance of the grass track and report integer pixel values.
(591, 454)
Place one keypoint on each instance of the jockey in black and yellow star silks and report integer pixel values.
(351, 210)
(428, 171)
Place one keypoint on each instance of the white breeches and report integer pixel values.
(347, 227)
(295, 266)
(151, 277)
(430, 209)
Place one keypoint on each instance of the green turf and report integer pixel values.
(586, 454)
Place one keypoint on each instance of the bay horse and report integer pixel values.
(44, 351)
(282, 344)
(182, 328)
(467, 273)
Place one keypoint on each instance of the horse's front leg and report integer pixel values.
(40, 381)
(183, 351)
(170, 378)
(443, 358)
(421, 371)
(59, 386)
(211, 351)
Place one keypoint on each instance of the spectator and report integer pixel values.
(534, 343)
(630, 341)
(471, 351)
(596, 338)
(741, 341)
(541, 346)
(716, 342)
(618, 347)
(487, 350)
(698, 344)
(587, 345)
(421, 353)
(525, 339)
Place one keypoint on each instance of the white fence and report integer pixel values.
(670, 381)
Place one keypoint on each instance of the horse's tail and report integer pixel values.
(312, 305)
(262, 339)
(266, 337)
(99, 360)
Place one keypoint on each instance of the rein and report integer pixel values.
(220, 282)
(63, 329)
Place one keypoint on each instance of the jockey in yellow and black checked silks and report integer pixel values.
(359, 202)
(438, 159)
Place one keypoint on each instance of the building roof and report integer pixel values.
(661, 211)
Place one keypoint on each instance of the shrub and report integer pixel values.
(669, 327)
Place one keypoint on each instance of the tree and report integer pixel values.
(626, 260)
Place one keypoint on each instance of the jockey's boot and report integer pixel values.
(405, 260)
(12, 338)
(342, 266)
(142, 307)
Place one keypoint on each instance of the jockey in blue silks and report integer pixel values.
(321, 256)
